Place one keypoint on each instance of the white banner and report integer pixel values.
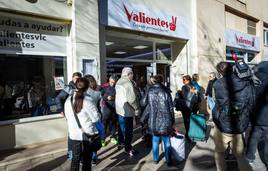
(124, 14)
(30, 36)
(242, 40)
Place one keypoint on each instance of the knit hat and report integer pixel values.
(126, 71)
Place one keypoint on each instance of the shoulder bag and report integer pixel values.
(93, 141)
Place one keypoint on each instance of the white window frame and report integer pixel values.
(265, 36)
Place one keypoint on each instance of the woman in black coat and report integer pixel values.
(161, 117)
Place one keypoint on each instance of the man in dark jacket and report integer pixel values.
(109, 117)
(68, 89)
(212, 78)
(228, 88)
(161, 117)
(63, 95)
(260, 120)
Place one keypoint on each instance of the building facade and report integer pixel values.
(43, 42)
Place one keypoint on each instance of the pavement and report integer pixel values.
(52, 156)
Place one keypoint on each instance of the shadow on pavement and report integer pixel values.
(6, 153)
(124, 161)
(50, 165)
(204, 162)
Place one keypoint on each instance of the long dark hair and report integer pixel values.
(92, 81)
(82, 86)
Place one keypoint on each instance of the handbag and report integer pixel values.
(93, 141)
(177, 148)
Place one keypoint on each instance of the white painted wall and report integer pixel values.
(85, 34)
(28, 131)
(47, 8)
(36, 130)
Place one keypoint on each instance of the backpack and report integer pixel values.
(233, 116)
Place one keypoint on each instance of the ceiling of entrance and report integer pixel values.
(129, 48)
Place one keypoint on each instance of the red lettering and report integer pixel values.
(153, 21)
(158, 22)
(128, 14)
(163, 23)
(142, 18)
(242, 40)
(148, 20)
(136, 18)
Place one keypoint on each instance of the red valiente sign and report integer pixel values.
(245, 41)
(141, 17)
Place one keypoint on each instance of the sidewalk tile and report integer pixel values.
(43, 163)
(26, 165)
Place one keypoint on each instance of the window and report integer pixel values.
(251, 27)
(248, 56)
(265, 36)
(29, 84)
(239, 54)
(163, 51)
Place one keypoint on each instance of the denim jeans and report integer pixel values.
(211, 102)
(256, 134)
(79, 150)
(94, 155)
(167, 147)
(125, 131)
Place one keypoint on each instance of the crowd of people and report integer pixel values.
(93, 112)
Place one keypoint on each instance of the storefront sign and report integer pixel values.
(242, 41)
(59, 83)
(124, 14)
(32, 37)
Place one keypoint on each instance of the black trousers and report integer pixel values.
(186, 119)
(80, 150)
(257, 133)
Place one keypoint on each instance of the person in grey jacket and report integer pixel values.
(127, 107)
(96, 97)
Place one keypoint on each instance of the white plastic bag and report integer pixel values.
(178, 147)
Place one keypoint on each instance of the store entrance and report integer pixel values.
(164, 69)
(142, 70)
(146, 56)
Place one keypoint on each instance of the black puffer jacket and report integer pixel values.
(160, 106)
(260, 117)
(234, 104)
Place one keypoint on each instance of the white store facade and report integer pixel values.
(44, 47)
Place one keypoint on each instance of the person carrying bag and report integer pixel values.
(84, 127)
(94, 141)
